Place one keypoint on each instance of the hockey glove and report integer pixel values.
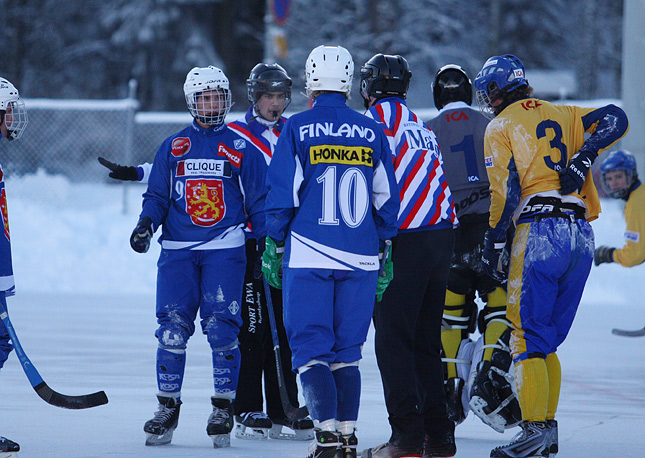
(386, 272)
(120, 172)
(272, 262)
(573, 177)
(603, 254)
(141, 236)
(492, 261)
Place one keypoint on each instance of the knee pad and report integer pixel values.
(221, 334)
(172, 337)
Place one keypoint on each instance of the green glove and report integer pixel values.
(272, 262)
(386, 273)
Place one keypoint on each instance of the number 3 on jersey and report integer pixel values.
(350, 192)
(556, 143)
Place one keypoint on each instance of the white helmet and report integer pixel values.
(211, 108)
(12, 110)
(329, 68)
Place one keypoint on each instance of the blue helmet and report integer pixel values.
(499, 75)
(619, 160)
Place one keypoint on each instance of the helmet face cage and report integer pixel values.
(210, 107)
(15, 119)
(451, 84)
(12, 110)
(500, 75)
(208, 96)
(329, 68)
(620, 160)
(385, 76)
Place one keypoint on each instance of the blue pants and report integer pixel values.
(208, 281)
(550, 262)
(327, 313)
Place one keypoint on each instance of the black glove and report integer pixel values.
(492, 261)
(141, 235)
(573, 177)
(603, 254)
(120, 172)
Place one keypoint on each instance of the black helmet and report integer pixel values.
(385, 76)
(451, 84)
(268, 78)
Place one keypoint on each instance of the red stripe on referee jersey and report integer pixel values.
(413, 173)
(252, 138)
(399, 157)
(381, 115)
(417, 205)
(442, 197)
(399, 113)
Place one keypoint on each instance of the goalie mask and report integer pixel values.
(208, 95)
(329, 68)
(618, 173)
(13, 113)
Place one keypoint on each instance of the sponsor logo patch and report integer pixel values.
(630, 236)
(201, 167)
(180, 146)
(234, 308)
(239, 144)
(488, 161)
(235, 157)
(338, 154)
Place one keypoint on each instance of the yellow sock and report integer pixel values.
(554, 371)
(532, 383)
(451, 339)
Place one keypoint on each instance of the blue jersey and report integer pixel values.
(6, 269)
(203, 186)
(263, 137)
(332, 188)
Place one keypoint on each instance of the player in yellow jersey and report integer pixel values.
(538, 161)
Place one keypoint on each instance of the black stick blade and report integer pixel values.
(85, 401)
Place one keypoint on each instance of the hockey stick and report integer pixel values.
(42, 389)
(291, 412)
(627, 333)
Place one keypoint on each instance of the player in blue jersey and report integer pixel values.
(538, 157)
(477, 372)
(408, 319)
(13, 121)
(332, 201)
(203, 186)
(269, 94)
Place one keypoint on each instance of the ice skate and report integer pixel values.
(531, 442)
(220, 422)
(326, 445)
(252, 426)
(349, 442)
(295, 430)
(553, 439)
(389, 450)
(8, 448)
(160, 428)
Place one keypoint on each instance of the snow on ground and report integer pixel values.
(84, 313)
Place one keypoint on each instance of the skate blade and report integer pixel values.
(221, 440)
(249, 433)
(159, 439)
(278, 432)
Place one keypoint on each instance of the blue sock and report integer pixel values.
(226, 371)
(170, 370)
(348, 386)
(319, 390)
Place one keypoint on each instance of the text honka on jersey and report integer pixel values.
(339, 154)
